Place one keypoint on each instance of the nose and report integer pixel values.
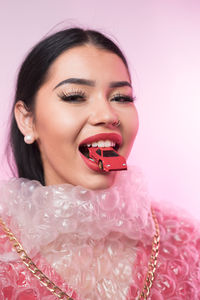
(103, 113)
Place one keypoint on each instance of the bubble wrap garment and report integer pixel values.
(95, 244)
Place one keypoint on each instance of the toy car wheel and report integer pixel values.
(100, 164)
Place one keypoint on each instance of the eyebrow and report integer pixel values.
(112, 84)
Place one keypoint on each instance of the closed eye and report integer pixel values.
(73, 97)
(123, 98)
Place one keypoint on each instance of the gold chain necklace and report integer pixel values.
(54, 289)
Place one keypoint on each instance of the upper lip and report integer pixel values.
(115, 137)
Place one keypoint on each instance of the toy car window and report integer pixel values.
(98, 151)
(109, 153)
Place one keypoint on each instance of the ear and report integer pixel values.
(25, 122)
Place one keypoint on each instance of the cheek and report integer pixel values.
(134, 124)
(55, 129)
(131, 125)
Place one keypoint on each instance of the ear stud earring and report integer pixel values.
(28, 139)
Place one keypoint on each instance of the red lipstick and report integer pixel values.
(115, 137)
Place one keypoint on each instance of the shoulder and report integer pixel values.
(178, 271)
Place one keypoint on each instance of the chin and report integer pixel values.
(99, 182)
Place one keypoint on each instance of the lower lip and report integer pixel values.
(92, 165)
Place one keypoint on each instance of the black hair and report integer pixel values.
(32, 75)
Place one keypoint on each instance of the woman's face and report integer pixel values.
(87, 90)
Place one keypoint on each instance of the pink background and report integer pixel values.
(161, 40)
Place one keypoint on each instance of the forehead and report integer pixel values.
(88, 62)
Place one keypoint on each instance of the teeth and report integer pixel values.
(101, 144)
(94, 144)
(108, 143)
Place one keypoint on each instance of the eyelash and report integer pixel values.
(79, 96)
(72, 96)
(125, 98)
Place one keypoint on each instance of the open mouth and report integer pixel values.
(83, 148)
(101, 140)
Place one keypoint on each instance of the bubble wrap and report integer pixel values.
(95, 244)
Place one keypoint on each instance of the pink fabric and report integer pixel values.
(177, 275)
(99, 242)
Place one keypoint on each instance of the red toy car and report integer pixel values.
(107, 159)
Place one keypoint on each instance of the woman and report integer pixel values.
(91, 234)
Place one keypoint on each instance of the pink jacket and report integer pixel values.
(62, 217)
(177, 275)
